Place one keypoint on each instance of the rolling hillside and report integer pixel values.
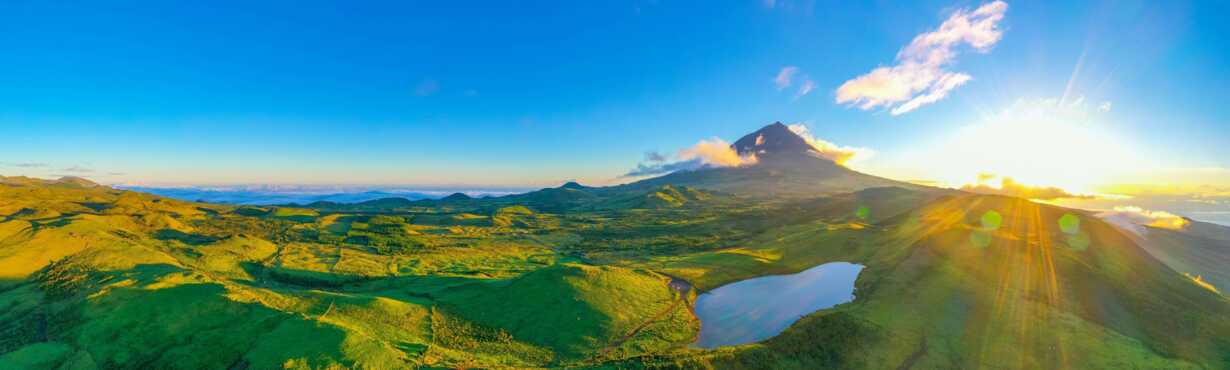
(579, 277)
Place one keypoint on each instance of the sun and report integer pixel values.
(1040, 144)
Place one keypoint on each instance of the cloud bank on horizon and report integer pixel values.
(919, 77)
(1010, 187)
(1135, 219)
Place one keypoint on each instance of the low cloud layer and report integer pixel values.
(1008, 186)
(716, 152)
(655, 157)
(920, 77)
(833, 152)
(1134, 219)
(706, 153)
(652, 169)
(77, 169)
(25, 164)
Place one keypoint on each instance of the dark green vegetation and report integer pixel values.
(574, 276)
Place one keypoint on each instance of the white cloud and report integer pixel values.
(785, 77)
(842, 155)
(939, 90)
(716, 152)
(1010, 187)
(706, 153)
(919, 77)
(1135, 219)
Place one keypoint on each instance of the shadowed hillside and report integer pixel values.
(577, 276)
(1199, 249)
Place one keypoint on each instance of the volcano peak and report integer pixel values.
(774, 139)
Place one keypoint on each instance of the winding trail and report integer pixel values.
(914, 357)
(681, 288)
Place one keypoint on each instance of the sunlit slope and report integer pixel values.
(976, 281)
(577, 311)
(577, 276)
(1199, 249)
(1043, 287)
(101, 278)
(46, 220)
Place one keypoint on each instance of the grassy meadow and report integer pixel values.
(577, 277)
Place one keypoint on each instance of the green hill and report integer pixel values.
(943, 289)
(579, 277)
(575, 310)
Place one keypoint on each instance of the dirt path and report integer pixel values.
(914, 357)
(681, 288)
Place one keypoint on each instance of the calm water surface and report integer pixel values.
(757, 309)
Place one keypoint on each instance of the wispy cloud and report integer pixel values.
(842, 155)
(77, 169)
(785, 77)
(1105, 107)
(805, 88)
(919, 77)
(1025, 111)
(25, 164)
(706, 153)
(654, 156)
(652, 169)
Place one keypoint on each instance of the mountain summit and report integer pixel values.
(787, 166)
(774, 139)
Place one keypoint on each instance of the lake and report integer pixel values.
(756, 309)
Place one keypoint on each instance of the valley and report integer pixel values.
(581, 277)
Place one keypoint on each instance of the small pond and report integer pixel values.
(756, 309)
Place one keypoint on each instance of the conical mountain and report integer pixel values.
(786, 166)
(773, 140)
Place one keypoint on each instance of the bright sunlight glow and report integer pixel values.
(1040, 143)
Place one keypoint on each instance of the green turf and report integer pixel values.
(94, 278)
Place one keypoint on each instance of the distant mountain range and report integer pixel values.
(266, 195)
(576, 276)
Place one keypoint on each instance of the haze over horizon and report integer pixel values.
(624, 184)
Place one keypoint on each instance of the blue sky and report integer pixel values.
(535, 93)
